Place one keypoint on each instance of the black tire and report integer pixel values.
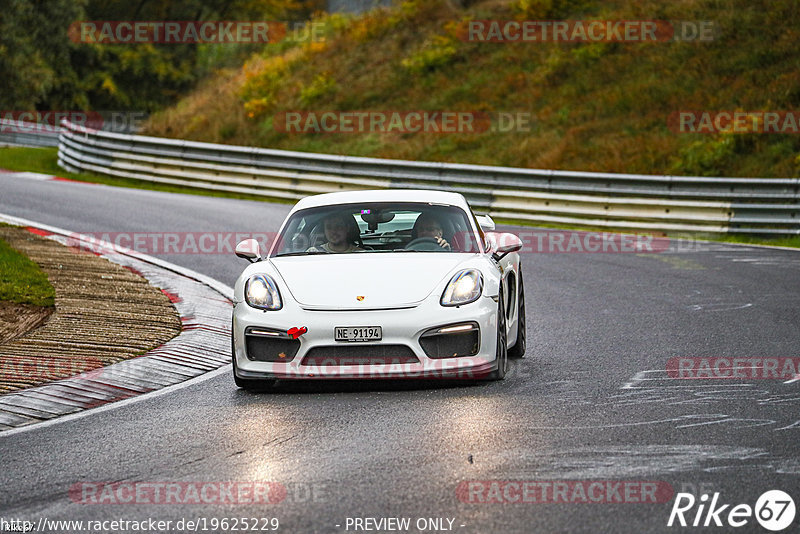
(251, 384)
(518, 350)
(502, 345)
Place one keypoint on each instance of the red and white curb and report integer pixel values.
(5, 173)
(203, 304)
(27, 175)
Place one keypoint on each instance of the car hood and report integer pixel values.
(384, 280)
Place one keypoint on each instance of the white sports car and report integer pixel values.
(379, 284)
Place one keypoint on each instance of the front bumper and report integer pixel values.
(402, 328)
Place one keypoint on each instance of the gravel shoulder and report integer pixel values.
(17, 319)
(104, 313)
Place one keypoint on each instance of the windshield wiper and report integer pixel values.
(312, 253)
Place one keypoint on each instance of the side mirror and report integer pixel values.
(486, 223)
(505, 244)
(249, 250)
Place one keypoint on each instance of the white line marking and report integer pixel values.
(789, 427)
(28, 175)
(715, 307)
(745, 245)
(119, 404)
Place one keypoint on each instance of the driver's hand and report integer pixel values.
(442, 243)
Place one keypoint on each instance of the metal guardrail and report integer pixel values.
(27, 134)
(31, 134)
(622, 201)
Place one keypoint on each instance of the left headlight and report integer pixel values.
(261, 292)
(465, 287)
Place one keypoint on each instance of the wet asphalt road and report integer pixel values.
(590, 402)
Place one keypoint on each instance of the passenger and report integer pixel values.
(429, 226)
(342, 234)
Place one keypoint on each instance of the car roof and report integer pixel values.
(383, 195)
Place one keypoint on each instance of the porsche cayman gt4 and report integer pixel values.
(379, 284)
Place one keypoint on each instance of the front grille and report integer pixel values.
(350, 354)
(451, 345)
(271, 349)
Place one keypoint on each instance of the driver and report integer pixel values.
(429, 226)
(339, 233)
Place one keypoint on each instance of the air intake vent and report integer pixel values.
(265, 345)
(349, 354)
(451, 341)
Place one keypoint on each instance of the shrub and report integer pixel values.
(321, 86)
(435, 53)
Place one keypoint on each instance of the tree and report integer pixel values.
(41, 68)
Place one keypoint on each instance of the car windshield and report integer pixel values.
(376, 228)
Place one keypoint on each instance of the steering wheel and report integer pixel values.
(425, 244)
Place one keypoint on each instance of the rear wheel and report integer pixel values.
(518, 350)
(502, 349)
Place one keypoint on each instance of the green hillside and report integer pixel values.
(600, 106)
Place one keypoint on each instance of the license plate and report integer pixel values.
(357, 333)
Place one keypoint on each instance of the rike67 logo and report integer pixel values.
(774, 510)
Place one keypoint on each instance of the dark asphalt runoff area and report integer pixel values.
(590, 410)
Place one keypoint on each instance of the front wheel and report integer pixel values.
(518, 350)
(502, 349)
(250, 384)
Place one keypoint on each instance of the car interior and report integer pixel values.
(382, 228)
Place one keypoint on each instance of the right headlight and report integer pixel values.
(465, 287)
(261, 292)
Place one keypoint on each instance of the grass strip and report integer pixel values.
(21, 280)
